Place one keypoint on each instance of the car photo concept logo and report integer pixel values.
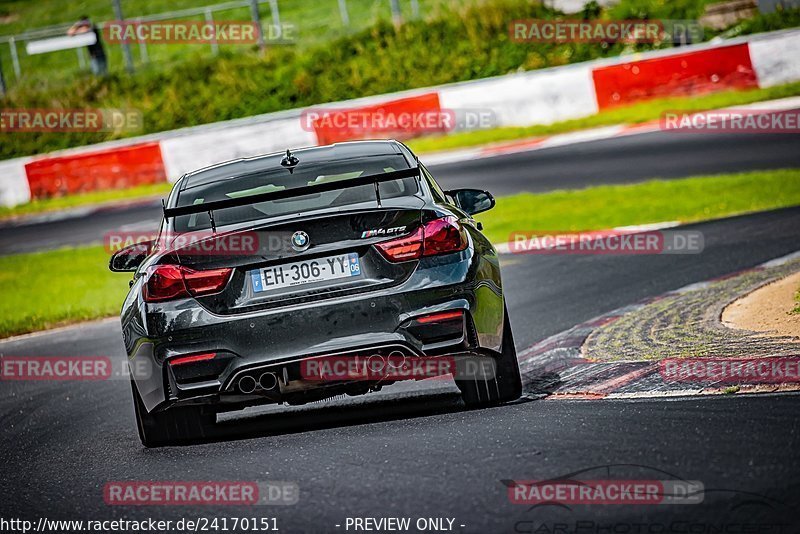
(586, 501)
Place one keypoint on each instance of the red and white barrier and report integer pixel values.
(535, 97)
(776, 60)
(690, 73)
(521, 99)
(336, 125)
(14, 187)
(201, 147)
(115, 168)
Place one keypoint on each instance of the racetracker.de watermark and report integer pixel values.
(22, 120)
(201, 493)
(197, 32)
(614, 242)
(203, 242)
(71, 368)
(746, 121)
(603, 31)
(395, 366)
(606, 492)
(765, 370)
(360, 122)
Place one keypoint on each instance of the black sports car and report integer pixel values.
(298, 276)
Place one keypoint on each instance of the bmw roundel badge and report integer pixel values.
(300, 241)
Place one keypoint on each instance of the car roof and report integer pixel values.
(327, 153)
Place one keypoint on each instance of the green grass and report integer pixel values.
(48, 289)
(320, 16)
(198, 88)
(97, 197)
(316, 22)
(634, 114)
(458, 40)
(685, 200)
(629, 115)
(796, 309)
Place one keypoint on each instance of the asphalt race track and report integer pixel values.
(414, 451)
(619, 160)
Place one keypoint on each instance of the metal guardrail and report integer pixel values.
(207, 12)
(61, 29)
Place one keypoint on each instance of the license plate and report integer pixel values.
(305, 272)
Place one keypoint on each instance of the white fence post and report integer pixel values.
(210, 20)
(343, 12)
(276, 16)
(397, 14)
(12, 43)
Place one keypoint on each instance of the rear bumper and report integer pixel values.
(272, 338)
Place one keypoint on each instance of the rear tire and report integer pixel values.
(173, 426)
(505, 386)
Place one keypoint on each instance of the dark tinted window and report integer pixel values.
(279, 179)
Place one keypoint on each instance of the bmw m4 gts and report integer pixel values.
(299, 276)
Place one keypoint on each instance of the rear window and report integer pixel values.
(279, 179)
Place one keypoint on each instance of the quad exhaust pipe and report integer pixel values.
(396, 360)
(247, 384)
(266, 382)
(377, 363)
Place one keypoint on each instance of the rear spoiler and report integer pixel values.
(210, 207)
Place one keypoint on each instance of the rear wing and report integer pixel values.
(210, 207)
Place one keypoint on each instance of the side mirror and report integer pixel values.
(472, 201)
(128, 259)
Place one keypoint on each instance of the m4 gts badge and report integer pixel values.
(382, 231)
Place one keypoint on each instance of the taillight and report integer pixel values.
(404, 248)
(438, 236)
(168, 282)
(443, 236)
(206, 282)
(165, 282)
